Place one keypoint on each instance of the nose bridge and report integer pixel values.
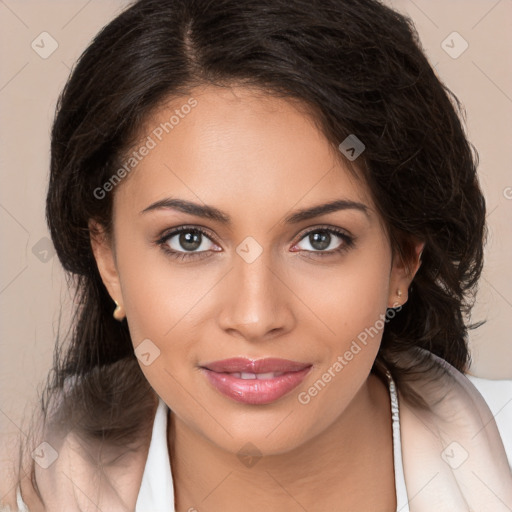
(256, 303)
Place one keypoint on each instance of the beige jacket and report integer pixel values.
(453, 456)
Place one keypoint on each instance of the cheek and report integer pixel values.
(157, 293)
(347, 298)
(352, 305)
(165, 308)
(350, 302)
(159, 303)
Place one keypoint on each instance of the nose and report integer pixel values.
(256, 302)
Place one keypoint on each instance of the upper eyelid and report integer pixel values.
(170, 232)
(336, 230)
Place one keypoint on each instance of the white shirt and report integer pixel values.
(157, 492)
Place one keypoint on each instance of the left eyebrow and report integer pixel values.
(212, 213)
(323, 209)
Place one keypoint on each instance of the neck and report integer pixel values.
(349, 466)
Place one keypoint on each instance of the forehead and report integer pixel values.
(240, 148)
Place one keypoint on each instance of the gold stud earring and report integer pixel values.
(118, 312)
(399, 292)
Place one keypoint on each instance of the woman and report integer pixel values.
(273, 218)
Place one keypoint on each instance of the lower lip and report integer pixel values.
(254, 391)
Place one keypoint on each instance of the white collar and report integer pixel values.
(157, 491)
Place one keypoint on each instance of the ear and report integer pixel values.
(403, 270)
(104, 254)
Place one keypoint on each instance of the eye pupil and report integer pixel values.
(320, 240)
(190, 240)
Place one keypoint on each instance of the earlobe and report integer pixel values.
(395, 299)
(103, 250)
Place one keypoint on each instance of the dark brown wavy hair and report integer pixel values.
(359, 68)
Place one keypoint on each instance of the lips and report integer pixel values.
(241, 364)
(260, 381)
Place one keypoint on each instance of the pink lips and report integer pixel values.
(265, 380)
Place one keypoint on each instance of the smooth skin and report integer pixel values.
(258, 159)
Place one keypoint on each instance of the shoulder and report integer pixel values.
(75, 475)
(447, 400)
(88, 450)
(72, 473)
(498, 396)
(451, 439)
(91, 475)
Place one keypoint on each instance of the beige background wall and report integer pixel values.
(32, 288)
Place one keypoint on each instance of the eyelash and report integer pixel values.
(180, 255)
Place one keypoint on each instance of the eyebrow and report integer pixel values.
(214, 214)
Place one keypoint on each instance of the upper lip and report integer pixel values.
(242, 364)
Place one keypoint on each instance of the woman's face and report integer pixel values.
(265, 282)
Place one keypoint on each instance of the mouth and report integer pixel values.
(255, 382)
